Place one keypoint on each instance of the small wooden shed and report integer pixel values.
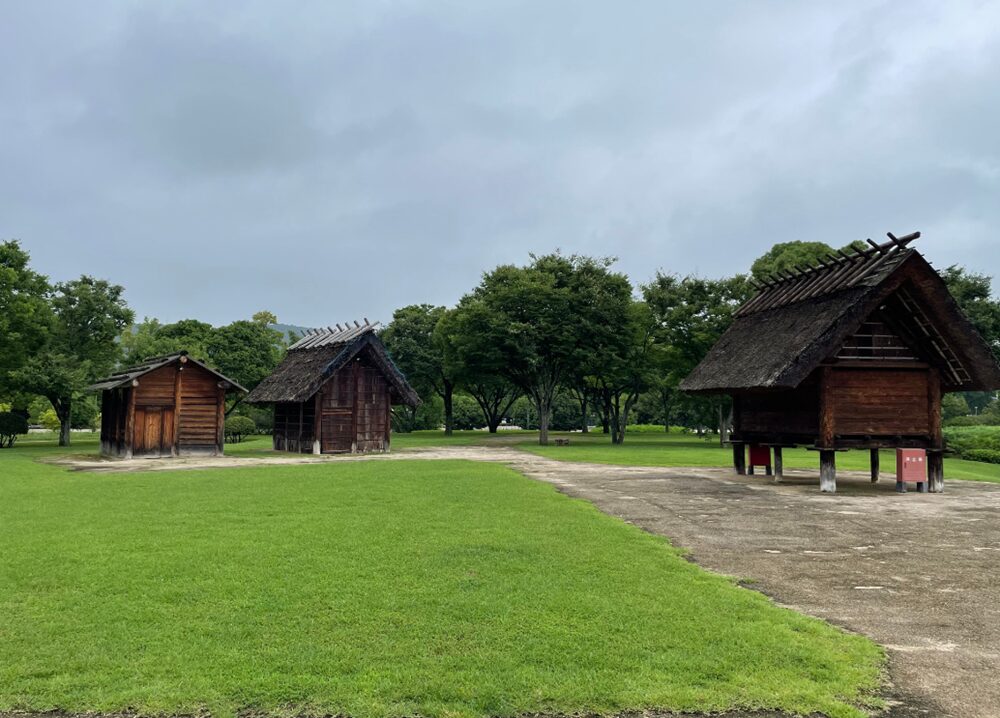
(171, 405)
(334, 393)
(853, 353)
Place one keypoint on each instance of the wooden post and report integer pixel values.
(176, 448)
(828, 471)
(826, 420)
(318, 424)
(875, 465)
(935, 471)
(934, 408)
(130, 422)
(779, 467)
(355, 379)
(298, 440)
(221, 428)
(739, 458)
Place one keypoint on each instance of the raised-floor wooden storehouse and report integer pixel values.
(171, 405)
(334, 393)
(854, 352)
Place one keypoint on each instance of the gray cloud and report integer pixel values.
(330, 160)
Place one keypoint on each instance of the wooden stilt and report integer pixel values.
(739, 458)
(935, 471)
(875, 466)
(827, 471)
(779, 467)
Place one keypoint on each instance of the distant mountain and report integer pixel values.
(287, 329)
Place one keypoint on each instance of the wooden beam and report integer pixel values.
(176, 448)
(220, 439)
(779, 467)
(935, 471)
(934, 408)
(130, 423)
(828, 471)
(826, 417)
(875, 465)
(739, 458)
(318, 424)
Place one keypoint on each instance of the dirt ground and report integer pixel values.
(918, 573)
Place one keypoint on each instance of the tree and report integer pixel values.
(691, 314)
(419, 351)
(538, 318)
(89, 316)
(785, 256)
(265, 317)
(629, 366)
(25, 315)
(974, 295)
(150, 338)
(953, 405)
(474, 362)
(245, 350)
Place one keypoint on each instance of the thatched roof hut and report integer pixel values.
(853, 352)
(334, 392)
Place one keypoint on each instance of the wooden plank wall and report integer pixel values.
(355, 405)
(879, 402)
(199, 423)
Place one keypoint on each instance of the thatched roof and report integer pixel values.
(799, 320)
(312, 360)
(125, 377)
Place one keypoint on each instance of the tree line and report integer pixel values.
(561, 340)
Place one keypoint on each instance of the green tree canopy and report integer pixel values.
(89, 316)
(25, 315)
(540, 317)
(691, 313)
(474, 361)
(419, 351)
(786, 256)
(974, 295)
(246, 351)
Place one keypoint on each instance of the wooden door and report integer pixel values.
(154, 431)
(338, 430)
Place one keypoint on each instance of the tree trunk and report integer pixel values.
(584, 416)
(493, 423)
(543, 422)
(449, 413)
(605, 412)
(65, 414)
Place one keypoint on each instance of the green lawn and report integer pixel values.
(447, 589)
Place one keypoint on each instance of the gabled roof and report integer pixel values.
(125, 377)
(312, 360)
(799, 320)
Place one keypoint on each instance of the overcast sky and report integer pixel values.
(333, 160)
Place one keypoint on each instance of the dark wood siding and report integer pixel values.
(791, 413)
(293, 427)
(198, 428)
(880, 402)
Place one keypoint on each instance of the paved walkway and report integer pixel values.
(918, 573)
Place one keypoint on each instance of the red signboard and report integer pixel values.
(911, 466)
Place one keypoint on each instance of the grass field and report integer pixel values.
(447, 589)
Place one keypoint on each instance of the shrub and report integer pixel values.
(990, 456)
(50, 420)
(11, 426)
(237, 427)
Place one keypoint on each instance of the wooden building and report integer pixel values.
(167, 406)
(853, 353)
(334, 393)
